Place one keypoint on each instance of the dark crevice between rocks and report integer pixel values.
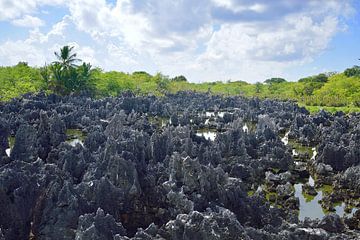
(148, 162)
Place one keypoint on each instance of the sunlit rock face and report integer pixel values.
(4, 135)
(183, 166)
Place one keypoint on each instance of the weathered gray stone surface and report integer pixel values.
(143, 170)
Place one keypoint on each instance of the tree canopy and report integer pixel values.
(64, 76)
(275, 80)
(351, 72)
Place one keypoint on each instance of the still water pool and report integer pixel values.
(310, 206)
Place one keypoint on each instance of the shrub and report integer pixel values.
(351, 72)
(275, 80)
(180, 78)
(321, 78)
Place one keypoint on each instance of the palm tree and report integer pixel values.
(85, 70)
(58, 77)
(66, 58)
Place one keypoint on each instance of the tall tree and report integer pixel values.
(66, 57)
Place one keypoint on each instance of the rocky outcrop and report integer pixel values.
(98, 226)
(25, 148)
(332, 223)
(221, 224)
(144, 171)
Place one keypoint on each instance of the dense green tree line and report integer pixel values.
(68, 74)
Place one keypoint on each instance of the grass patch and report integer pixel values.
(250, 193)
(11, 141)
(75, 134)
(308, 198)
(271, 196)
(346, 109)
(300, 148)
(275, 170)
(326, 189)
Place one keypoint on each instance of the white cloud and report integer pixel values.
(12, 52)
(204, 39)
(59, 27)
(102, 20)
(86, 54)
(224, 3)
(11, 9)
(28, 21)
(255, 52)
(56, 33)
(39, 47)
(241, 7)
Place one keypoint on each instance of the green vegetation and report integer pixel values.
(300, 148)
(11, 141)
(64, 76)
(352, 72)
(308, 198)
(315, 109)
(18, 80)
(180, 78)
(329, 91)
(75, 134)
(250, 193)
(274, 80)
(326, 189)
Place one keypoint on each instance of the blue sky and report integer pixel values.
(205, 40)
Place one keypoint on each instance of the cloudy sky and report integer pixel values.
(205, 40)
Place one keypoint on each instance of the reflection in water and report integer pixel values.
(209, 114)
(310, 206)
(340, 209)
(314, 154)
(285, 139)
(221, 114)
(295, 153)
(208, 135)
(311, 181)
(75, 136)
(11, 141)
(73, 142)
(245, 128)
(213, 115)
(8, 151)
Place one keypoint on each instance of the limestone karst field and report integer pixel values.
(183, 166)
(179, 120)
